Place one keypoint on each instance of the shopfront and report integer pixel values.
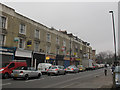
(24, 55)
(66, 61)
(38, 58)
(50, 59)
(77, 61)
(59, 60)
(6, 55)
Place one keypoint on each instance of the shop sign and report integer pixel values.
(50, 56)
(16, 39)
(78, 59)
(66, 58)
(47, 58)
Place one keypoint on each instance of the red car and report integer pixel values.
(5, 72)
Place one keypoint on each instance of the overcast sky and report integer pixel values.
(90, 21)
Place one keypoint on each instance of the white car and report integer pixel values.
(25, 73)
(56, 70)
(72, 68)
(43, 67)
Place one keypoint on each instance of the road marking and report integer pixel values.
(54, 76)
(34, 80)
(67, 85)
(5, 84)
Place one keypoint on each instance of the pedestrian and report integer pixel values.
(113, 68)
(105, 70)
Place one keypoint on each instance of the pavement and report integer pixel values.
(106, 81)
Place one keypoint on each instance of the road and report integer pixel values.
(87, 79)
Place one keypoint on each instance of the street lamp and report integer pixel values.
(115, 62)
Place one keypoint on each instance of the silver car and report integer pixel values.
(56, 70)
(116, 75)
(72, 68)
(25, 73)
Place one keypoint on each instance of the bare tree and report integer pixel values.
(105, 57)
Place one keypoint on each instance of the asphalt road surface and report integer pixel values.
(87, 79)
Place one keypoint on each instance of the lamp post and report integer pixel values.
(70, 50)
(115, 62)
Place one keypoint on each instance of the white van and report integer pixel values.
(43, 67)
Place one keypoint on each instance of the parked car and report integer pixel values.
(81, 68)
(72, 68)
(7, 70)
(56, 70)
(43, 67)
(25, 73)
(116, 77)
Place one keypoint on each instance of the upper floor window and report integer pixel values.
(21, 43)
(2, 40)
(57, 40)
(64, 43)
(57, 50)
(22, 29)
(48, 37)
(37, 34)
(36, 47)
(48, 49)
(2, 22)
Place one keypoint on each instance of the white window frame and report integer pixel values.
(36, 33)
(20, 29)
(23, 44)
(5, 22)
(49, 37)
(3, 42)
(35, 46)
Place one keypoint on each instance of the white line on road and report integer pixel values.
(34, 80)
(5, 84)
(67, 85)
(54, 76)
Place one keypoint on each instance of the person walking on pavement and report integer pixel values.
(113, 68)
(105, 70)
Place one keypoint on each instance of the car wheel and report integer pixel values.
(14, 78)
(39, 75)
(48, 74)
(6, 76)
(64, 73)
(26, 77)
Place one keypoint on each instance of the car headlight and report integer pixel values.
(1, 70)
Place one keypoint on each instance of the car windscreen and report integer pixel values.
(71, 67)
(53, 68)
(5, 64)
(21, 68)
(117, 69)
